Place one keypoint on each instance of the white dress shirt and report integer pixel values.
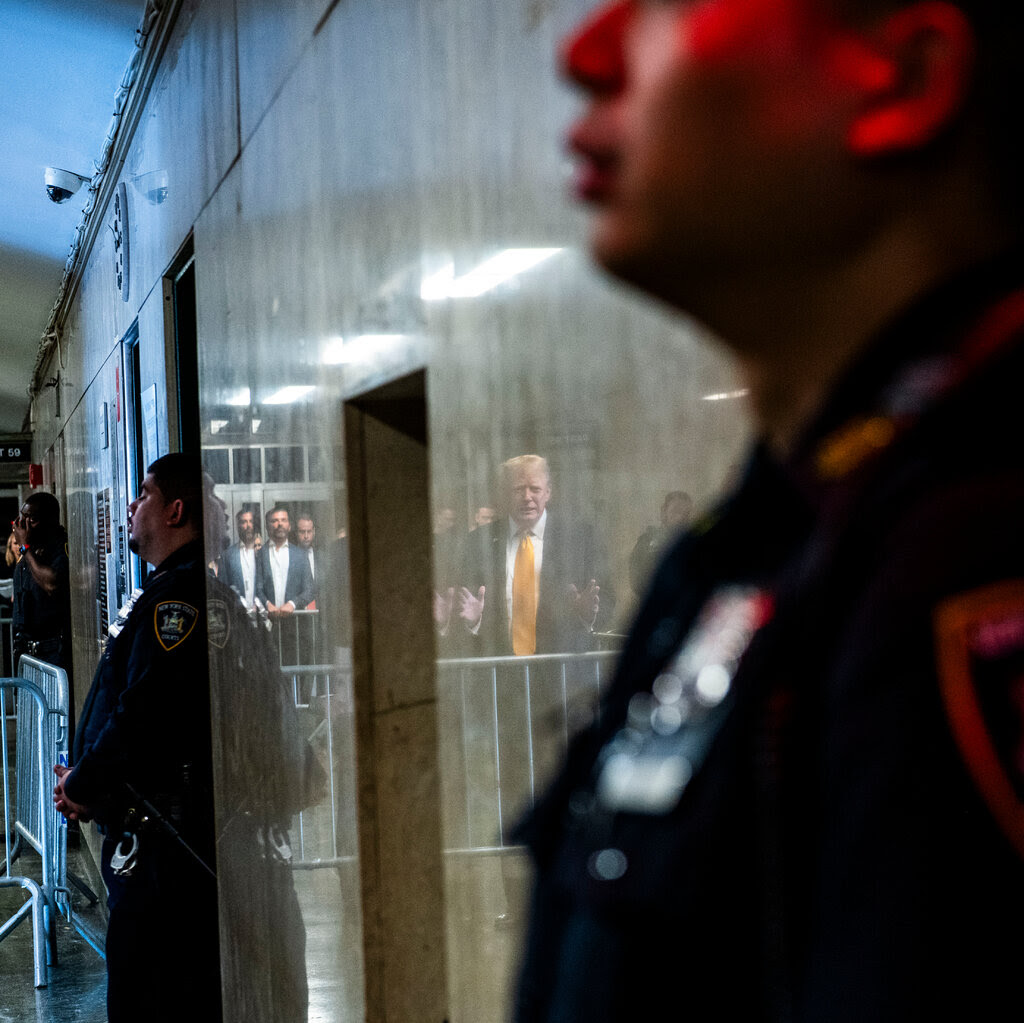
(247, 559)
(278, 558)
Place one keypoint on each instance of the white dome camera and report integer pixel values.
(61, 184)
(152, 186)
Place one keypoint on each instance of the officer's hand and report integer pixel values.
(73, 811)
(20, 532)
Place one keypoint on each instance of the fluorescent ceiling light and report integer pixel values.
(288, 395)
(726, 395)
(486, 277)
(240, 397)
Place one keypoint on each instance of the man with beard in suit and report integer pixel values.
(238, 565)
(286, 581)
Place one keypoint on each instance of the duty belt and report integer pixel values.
(41, 646)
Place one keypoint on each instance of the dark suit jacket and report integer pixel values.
(572, 556)
(298, 587)
(229, 571)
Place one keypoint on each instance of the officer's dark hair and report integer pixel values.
(45, 507)
(992, 106)
(179, 477)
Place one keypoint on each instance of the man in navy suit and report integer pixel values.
(567, 606)
(286, 584)
(239, 566)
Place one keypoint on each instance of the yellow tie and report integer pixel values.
(524, 600)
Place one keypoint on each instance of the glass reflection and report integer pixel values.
(253, 710)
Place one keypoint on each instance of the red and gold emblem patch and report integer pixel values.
(980, 651)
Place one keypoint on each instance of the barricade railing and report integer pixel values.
(298, 638)
(41, 695)
(511, 719)
(506, 723)
(34, 728)
(322, 694)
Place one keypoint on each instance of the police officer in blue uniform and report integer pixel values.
(142, 766)
(804, 798)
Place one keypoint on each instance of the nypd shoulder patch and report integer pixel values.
(174, 621)
(980, 654)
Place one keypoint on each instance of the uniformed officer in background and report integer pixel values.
(804, 800)
(142, 766)
(41, 616)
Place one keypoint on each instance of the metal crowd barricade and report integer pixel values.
(26, 818)
(322, 694)
(508, 721)
(41, 717)
(298, 639)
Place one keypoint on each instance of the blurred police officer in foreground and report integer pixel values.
(142, 766)
(804, 798)
(42, 595)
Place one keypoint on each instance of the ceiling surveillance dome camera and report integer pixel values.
(61, 185)
(152, 185)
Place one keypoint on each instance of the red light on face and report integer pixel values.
(593, 56)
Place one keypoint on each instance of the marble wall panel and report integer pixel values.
(186, 141)
(271, 39)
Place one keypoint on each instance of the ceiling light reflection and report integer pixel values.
(726, 395)
(486, 277)
(337, 351)
(240, 398)
(288, 395)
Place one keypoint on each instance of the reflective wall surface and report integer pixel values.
(392, 300)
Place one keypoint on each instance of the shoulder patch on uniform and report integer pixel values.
(980, 654)
(218, 623)
(174, 622)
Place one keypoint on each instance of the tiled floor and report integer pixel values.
(76, 992)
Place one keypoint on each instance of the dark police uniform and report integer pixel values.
(42, 621)
(144, 735)
(266, 772)
(805, 797)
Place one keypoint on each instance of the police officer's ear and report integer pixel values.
(175, 512)
(921, 59)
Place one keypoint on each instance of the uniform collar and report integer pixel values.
(191, 551)
(911, 363)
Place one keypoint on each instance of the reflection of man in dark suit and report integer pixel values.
(238, 566)
(531, 581)
(285, 580)
(305, 533)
